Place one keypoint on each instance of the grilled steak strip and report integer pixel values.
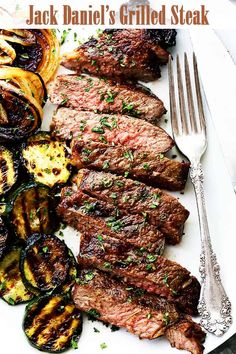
(88, 214)
(145, 270)
(140, 313)
(117, 305)
(89, 93)
(186, 335)
(113, 129)
(154, 170)
(156, 206)
(121, 53)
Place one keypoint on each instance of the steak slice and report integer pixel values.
(122, 130)
(89, 93)
(145, 315)
(156, 206)
(186, 335)
(155, 170)
(150, 272)
(116, 303)
(88, 214)
(120, 53)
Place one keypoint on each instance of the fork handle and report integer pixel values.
(214, 305)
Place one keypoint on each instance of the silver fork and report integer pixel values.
(189, 130)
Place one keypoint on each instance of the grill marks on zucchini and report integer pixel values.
(52, 322)
(32, 211)
(45, 263)
(8, 170)
(12, 288)
(47, 160)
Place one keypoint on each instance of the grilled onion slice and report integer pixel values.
(22, 94)
(33, 50)
(8, 170)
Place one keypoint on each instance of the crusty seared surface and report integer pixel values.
(90, 93)
(145, 315)
(153, 169)
(127, 53)
(159, 208)
(86, 213)
(153, 273)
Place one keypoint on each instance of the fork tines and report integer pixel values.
(186, 123)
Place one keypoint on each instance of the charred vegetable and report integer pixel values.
(46, 160)
(45, 262)
(31, 210)
(12, 289)
(71, 276)
(4, 236)
(22, 94)
(52, 323)
(33, 50)
(8, 170)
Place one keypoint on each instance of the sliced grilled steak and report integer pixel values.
(88, 214)
(115, 304)
(114, 129)
(89, 93)
(145, 315)
(159, 208)
(127, 53)
(186, 335)
(155, 170)
(145, 270)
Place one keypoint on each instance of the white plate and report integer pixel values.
(221, 206)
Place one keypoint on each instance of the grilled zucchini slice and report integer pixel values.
(71, 276)
(46, 160)
(31, 210)
(8, 170)
(44, 262)
(52, 323)
(4, 236)
(12, 288)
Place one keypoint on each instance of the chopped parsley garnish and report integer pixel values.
(93, 314)
(151, 258)
(106, 165)
(165, 280)
(129, 155)
(93, 62)
(64, 101)
(107, 265)
(166, 318)
(149, 315)
(45, 249)
(89, 276)
(110, 98)
(146, 166)
(96, 330)
(114, 224)
(82, 126)
(113, 195)
(88, 207)
(98, 130)
(105, 123)
(11, 301)
(100, 238)
(64, 36)
(119, 183)
(126, 174)
(74, 343)
(103, 345)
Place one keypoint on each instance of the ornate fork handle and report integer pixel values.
(214, 306)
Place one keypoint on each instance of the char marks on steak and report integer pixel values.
(89, 93)
(121, 53)
(153, 273)
(145, 315)
(88, 214)
(122, 130)
(155, 170)
(159, 208)
(117, 305)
